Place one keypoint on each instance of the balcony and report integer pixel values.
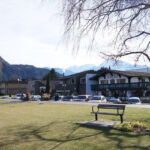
(122, 86)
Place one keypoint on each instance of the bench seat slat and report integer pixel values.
(107, 106)
(106, 113)
(111, 108)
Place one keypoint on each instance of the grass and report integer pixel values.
(7, 100)
(4, 100)
(34, 126)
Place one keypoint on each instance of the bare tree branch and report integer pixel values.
(130, 19)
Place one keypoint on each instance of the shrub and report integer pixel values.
(132, 126)
(124, 127)
(138, 124)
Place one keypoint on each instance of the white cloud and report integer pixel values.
(31, 33)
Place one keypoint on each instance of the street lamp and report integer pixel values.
(63, 71)
(64, 85)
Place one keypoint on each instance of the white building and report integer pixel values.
(121, 83)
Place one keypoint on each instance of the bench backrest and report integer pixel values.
(111, 106)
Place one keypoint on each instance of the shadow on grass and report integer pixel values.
(24, 135)
(116, 136)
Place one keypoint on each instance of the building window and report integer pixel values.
(72, 81)
(121, 80)
(112, 81)
(82, 81)
(104, 81)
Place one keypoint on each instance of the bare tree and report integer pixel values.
(129, 18)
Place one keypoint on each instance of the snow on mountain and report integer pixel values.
(77, 69)
(121, 65)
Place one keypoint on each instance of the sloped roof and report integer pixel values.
(125, 73)
(77, 74)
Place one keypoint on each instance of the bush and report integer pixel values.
(124, 127)
(138, 124)
(132, 126)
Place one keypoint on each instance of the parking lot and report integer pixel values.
(90, 103)
(11, 101)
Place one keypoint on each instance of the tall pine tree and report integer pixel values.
(52, 75)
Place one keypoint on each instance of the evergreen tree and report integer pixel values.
(47, 84)
(52, 75)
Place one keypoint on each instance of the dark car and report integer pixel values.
(68, 98)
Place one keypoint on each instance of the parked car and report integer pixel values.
(36, 97)
(4, 97)
(75, 97)
(68, 98)
(114, 100)
(83, 98)
(60, 98)
(134, 100)
(19, 96)
(57, 97)
(98, 99)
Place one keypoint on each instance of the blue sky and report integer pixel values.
(31, 32)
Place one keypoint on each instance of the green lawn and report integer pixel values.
(4, 100)
(34, 126)
(7, 100)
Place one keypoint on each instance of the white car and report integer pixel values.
(18, 96)
(60, 98)
(114, 100)
(134, 100)
(98, 99)
(36, 97)
(83, 98)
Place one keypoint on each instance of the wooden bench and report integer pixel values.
(120, 110)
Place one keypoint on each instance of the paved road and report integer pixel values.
(88, 103)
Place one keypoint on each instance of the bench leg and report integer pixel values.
(96, 117)
(121, 118)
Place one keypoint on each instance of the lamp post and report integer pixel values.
(64, 85)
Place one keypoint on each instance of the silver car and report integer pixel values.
(134, 100)
(98, 99)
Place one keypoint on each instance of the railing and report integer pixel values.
(142, 85)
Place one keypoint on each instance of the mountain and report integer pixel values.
(77, 69)
(121, 65)
(13, 72)
(60, 71)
